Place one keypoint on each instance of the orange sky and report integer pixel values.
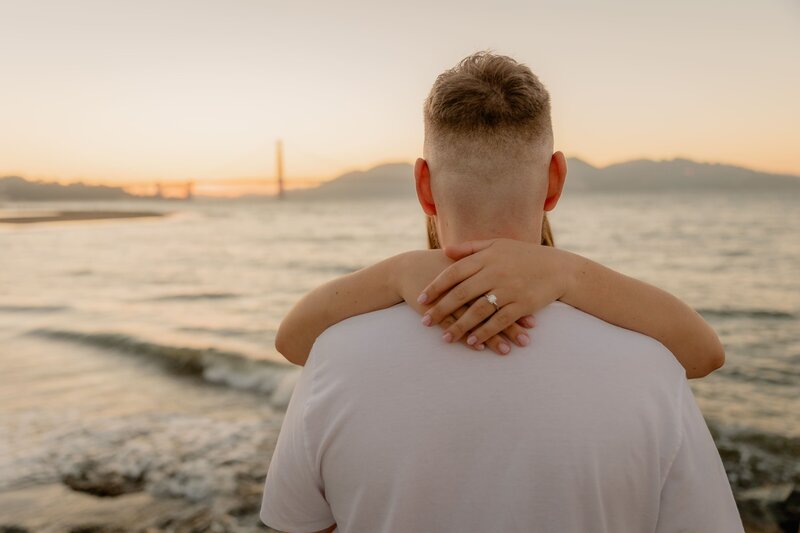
(124, 92)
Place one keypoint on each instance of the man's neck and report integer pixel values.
(456, 234)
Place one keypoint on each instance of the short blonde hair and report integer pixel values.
(491, 98)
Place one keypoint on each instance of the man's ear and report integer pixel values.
(422, 177)
(555, 180)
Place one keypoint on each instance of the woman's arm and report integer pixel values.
(368, 289)
(526, 277)
(378, 286)
(633, 304)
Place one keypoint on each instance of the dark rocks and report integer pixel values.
(764, 471)
(787, 512)
(12, 529)
(96, 528)
(96, 480)
(771, 509)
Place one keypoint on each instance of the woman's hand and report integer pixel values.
(418, 268)
(525, 277)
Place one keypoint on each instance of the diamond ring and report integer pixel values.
(492, 300)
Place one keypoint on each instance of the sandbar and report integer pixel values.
(69, 216)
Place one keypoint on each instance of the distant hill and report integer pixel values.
(673, 175)
(14, 188)
(389, 180)
(641, 175)
(396, 180)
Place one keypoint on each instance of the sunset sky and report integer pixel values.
(119, 91)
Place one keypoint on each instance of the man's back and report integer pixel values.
(589, 428)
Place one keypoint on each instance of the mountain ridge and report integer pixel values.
(16, 188)
(395, 179)
(637, 175)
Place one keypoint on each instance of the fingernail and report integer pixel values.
(480, 346)
(529, 322)
(426, 320)
(504, 348)
(422, 298)
(447, 337)
(523, 339)
(472, 339)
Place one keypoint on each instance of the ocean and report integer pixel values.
(141, 352)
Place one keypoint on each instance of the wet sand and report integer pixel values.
(72, 216)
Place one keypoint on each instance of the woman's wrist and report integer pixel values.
(570, 267)
(399, 267)
(410, 271)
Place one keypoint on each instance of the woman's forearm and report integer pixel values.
(368, 289)
(639, 306)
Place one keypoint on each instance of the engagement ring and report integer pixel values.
(492, 300)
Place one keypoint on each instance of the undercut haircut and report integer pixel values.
(491, 98)
(488, 140)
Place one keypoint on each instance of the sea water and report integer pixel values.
(138, 320)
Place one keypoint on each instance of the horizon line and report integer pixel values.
(304, 182)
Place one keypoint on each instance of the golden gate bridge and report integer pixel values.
(188, 189)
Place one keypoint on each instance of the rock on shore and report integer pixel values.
(154, 473)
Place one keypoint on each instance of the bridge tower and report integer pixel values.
(279, 167)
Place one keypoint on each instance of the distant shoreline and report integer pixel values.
(70, 216)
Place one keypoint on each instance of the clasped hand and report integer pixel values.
(524, 276)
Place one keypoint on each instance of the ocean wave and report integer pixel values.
(232, 369)
(190, 456)
(194, 296)
(225, 332)
(33, 308)
(755, 458)
(783, 377)
(334, 268)
(746, 313)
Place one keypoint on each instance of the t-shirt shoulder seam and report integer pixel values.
(304, 419)
(680, 430)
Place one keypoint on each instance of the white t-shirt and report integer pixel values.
(589, 428)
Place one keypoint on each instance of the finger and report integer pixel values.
(463, 293)
(451, 319)
(527, 321)
(507, 315)
(499, 344)
(448, 278)
(463, 249)
(517, 334)
(479, 311)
